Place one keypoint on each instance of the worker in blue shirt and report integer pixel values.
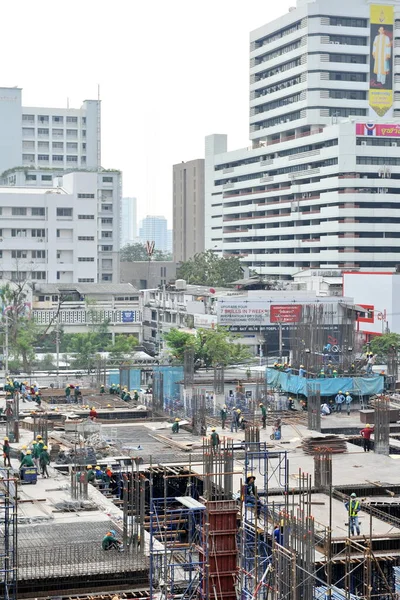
(339, 399)
(348, 401)
(302, 371)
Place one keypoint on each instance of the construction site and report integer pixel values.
(254, 516)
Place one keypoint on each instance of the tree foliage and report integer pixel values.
(385, 344)
(211, 347)
(206, 268)
(137, 253)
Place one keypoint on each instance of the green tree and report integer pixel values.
(211, 347)
(123, 346)
(137, 253)
(206, 268)
(385, 344)
(85, 347)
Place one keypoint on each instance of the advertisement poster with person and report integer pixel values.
(381, 61)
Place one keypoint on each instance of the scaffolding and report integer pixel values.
(382, 424)
(8, 536)
(314, 406)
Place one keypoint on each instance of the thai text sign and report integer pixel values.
(285, 313)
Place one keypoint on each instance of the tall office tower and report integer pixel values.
(128, 221)
(154, 229)
(188, 209)
(320, 185)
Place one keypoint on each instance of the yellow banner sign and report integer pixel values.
(381, 60)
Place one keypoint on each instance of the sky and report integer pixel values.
(170, 73)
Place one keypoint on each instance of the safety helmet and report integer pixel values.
(224, 406)
(238, 410)
(93, 408)
(347, 393)
(108, 405)
(261, 403)
(39, 437)
(212, 428)
(28, 452)
(353, 495)
(89, 467)
(368, 425)
(177, 419)
(233, 407)
(340, 392)
(44, 447)
(34, 442)
(113, 532)
(6, 439)
(251, 476)
(301, 366)
(97, 467)
(24, 448)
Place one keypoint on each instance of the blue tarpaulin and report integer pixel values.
(365, 386)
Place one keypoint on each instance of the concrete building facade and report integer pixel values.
(144, 275)
(188, 209)
(128, 221)
(154, 229)
(319, 187)
(48, 137)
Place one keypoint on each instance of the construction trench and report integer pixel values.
(182, 510)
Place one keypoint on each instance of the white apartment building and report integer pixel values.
(319, 187)
(106, 192)
(62, 138)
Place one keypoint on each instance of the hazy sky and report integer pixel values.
(170, 72)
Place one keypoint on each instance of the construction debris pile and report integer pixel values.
(331, 443)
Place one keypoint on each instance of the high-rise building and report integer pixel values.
(188, 209)
(128, 221)
(63, 138)
(169, 240)
(320, 186)
(154, 229)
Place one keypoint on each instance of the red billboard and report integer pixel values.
(285, 313)
(378, 129)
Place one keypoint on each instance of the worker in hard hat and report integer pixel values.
(214, 439)
(27, 460)
(263, 415)
(302, 371)
(111, 389)
(40, 444)
(102, 389)
(348, 400)
(135, 395)
(91, 475)
(175, 426)
(67, 393)
(44, 460)
(6, 452)
(353, 508)
(234, 422)
(99, 474)
(224, 414)
(339, 399)
(22, 453)
(93, 413)
(110, 542)
(251, 493)
(366, 436)
(108, 477)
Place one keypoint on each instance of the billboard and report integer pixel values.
(377, 129)
(381, 60)
(128, 316)
(285, 313)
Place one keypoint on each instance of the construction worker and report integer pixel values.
(91, 475)
(102, 389)
(263, 415)
(339, 399)
(44, 460)
(67, 393)
(77, 394)
(40, 444)
(110, 542)
(288, 369)
(329, 369)
(278, 534)
(251, 493)
(366, 436)
(107, 477)
(27, 460)
(118, 389)
(334, 373)
(6, 452)
(234, 422)
(291, 405)
(98, 474)
(322, 373)
(353, 508)
(35, 453)
(224, 414)
(175, 426)
(277, 429)
(111, 389)
(93, 413)
(214, 438)
(302, 371)
(348, 400)
(135, 395)
(38, 398)
(22, 453)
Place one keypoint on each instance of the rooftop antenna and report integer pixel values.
(98, 129)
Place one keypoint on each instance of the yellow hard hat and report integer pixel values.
(44, 447)
(238, 410)
(93, 408)
(212, 428)
(368, 425)
(108, 405)
(29, 452)
(24, 447)
(34, 442)
(6, 439)
(108, 466)
(176, 419)
(261, 404)
(97, 467)
(38, 437)
(340, 392)
(89, 467)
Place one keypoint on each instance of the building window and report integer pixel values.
(39, 275)
(347, 22)
(340, 76)
(106, 221)
(58, 274)
(43, 145)
(85, 280)
(85, 216)
(85, 259)
(106, 276)
(72, 158)
(47, 178)
(84, 133)
(58, 132)
(37, 211)
(18, 232)
(43, 119)
(83, 160)
(58, 158)
(38, 253)
(19, 211)
(106, 248)
(57, 119)
(107, 179)
(347, 112)
(72, 133)
(30, 177)
(28, 132)
(43, 157)
(86, 238)
(58, 145)
(72, 119)
(19, 275)
(28, 157)
(43, 131)
(360, 59)
(72, 145)
(106, 234)
(107, 263)
(85, 195)
(64, 212)
(19, 253)
(39, 233)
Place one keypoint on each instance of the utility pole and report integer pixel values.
(280, 342)
(58, 352)
(5, 343)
